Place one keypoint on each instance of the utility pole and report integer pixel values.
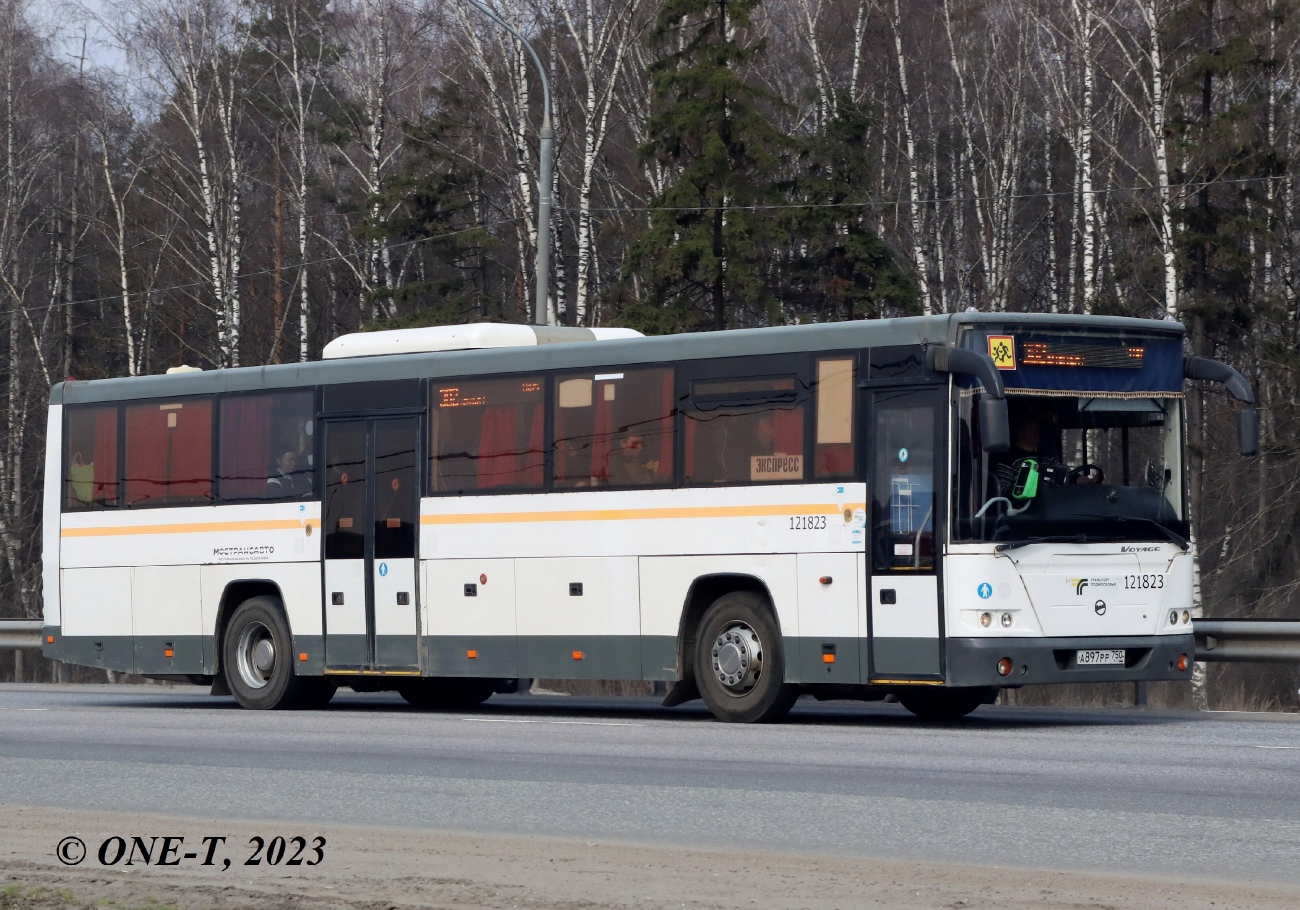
(541, 313)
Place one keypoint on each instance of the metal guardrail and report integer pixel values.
(1247, 640)
(20, 633)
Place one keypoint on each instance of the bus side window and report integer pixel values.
(486, 435)
(90, 458)
(745, 430)
(266, 448)
(835, 452)
(169, 453)
(614, 428)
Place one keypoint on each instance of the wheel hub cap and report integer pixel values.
(737, 658)
(255, 655)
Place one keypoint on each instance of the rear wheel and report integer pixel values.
(938, 703)
(257, 660)
(739, 662)
(447, 693)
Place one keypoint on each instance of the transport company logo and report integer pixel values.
(1081, 583)
(243, 554)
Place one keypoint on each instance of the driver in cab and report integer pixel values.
(1034, 436)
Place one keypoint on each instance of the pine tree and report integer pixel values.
(701, 261)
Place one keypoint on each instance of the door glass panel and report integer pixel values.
(903, 491)
(395, 495)
(345, 491)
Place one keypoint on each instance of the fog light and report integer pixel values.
(1182, 661)
(1005, 666)
(986, 619)
(1187, 617)
(1006, 620)
(1173, 617)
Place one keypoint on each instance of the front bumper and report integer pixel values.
(1037, 661)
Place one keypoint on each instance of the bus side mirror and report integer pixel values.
(1248, 431)
(995, 429)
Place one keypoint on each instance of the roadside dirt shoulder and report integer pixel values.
(374, 868)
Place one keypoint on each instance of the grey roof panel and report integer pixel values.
(944, 329)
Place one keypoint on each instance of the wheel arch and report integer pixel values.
(235, 593)
(703, 591)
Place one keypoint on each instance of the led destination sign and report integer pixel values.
(1064, 354)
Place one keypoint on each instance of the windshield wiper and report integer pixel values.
(1172, 535)
(1051, 538)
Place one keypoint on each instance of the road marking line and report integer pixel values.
(1253, 746)
(24, 709)
(582, 723)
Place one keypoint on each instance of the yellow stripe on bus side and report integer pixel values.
(636, 514)
(289, 524)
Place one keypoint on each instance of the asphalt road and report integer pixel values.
(1143, 792)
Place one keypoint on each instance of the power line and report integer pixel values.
(872, 203)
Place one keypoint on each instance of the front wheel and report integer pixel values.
(739, 662)
(257, 660)
(939, 703)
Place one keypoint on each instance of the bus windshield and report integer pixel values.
(1083, 468)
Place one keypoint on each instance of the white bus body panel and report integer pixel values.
(666, 581)
(1093, 590)
(98, 601)
(392, 577)
(52, 499)
(644, 523)
(168, 600)
(346, 577)
(490, 612)
(828, 610)
(607, 605)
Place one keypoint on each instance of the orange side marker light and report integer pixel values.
(472, 655)
(49, 639)
(302, 655)
(828, 658)
(1182, 661)
(168, 652)
(577, 655)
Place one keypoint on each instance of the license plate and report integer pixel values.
(1093, 658)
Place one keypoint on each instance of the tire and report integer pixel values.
(942, 704)
(447, 693)
(257, 661)
(740, 663)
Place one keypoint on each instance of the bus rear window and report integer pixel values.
(90, 458)
(169, 452)
(486, 435)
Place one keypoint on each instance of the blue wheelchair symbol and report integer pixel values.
(985, 590)
(383, 569)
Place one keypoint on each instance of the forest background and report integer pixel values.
(236, 182)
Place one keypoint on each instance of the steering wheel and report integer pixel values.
(1086, 470)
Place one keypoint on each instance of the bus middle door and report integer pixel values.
(371, 519)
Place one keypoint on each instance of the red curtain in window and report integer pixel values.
(147, 450)
(246, 456)
(498, 453)
(602, 438)
(105, 455)
(788, 426)
(534, 457)
(191, 468)
(665, 428)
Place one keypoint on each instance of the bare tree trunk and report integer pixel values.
(913, 174)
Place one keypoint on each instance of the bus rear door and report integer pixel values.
(371, 519)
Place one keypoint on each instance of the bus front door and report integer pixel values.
(371, 518)
(906, 473)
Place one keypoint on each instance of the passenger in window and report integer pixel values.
(632, 465)
(288, 482)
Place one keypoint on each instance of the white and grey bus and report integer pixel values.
(931, 507)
